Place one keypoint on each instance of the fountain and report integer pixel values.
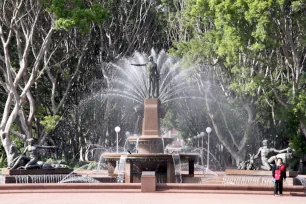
(149, 154)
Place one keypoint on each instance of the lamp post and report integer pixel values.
(208, 130)
(202, 134)
(117, 129)
(194, 138)
(198, 137)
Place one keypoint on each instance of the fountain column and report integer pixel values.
(191, 167)
(150, 124)
(150, 140)
(128, 171)
(170, 172)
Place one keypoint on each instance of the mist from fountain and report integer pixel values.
(131, 82)
(302, 180)
(121, 168)
(80, 179)
(163, 142)
(177, 167)
(202, 152)
(45, 178)
(137, 142)
(74, 178)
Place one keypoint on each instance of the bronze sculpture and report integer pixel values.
(153, 77)
(264, 151)
(30, 161)
(248, 164)
(13, 158)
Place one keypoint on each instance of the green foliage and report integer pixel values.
(92, 166)
(49, 122)
(2, 157)
(76, 14)
(19, 142)
(300, 102)
(241, 33)
(298, 143)
(169, 121)
(82, 165)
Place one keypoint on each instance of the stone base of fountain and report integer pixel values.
(34, 175)
(150, 144)
(36, 171)
(261, 177)
(257, 173)
(149, 154)
(135, 164)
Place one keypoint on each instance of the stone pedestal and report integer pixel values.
(257, 173)
(170, 172)
(128, 172)
(150, 124)
(261, 177)
(148, 181)
(34, 175)
(35, 171)
(150, 140)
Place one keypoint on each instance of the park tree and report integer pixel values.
(256, 49)
(32, 45)
(259, 44)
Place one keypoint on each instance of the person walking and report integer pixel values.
(279, 175)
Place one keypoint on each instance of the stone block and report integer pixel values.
(35, 171)
(257, 173)
(150, 125)
(148, 181)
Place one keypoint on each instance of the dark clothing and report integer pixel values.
(153, 80)
(152, 69)
(278, 186)
(283, 171)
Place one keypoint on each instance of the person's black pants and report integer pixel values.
(278, 187)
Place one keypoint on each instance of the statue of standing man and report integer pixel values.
(153, 77)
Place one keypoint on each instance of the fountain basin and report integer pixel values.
(150, 144)
(36, 171)
(135, 164)
(34, 175)
(148, 156)
(257, 177)
(257, 172)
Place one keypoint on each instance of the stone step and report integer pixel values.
(66, 186)
(169, 186)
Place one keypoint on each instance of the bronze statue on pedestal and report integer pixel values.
(30, 161)
(153, 77)
(264, 151)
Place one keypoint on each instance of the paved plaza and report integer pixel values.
(145, 198)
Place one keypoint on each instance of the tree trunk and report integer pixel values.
(303, 126)
(233, 151)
